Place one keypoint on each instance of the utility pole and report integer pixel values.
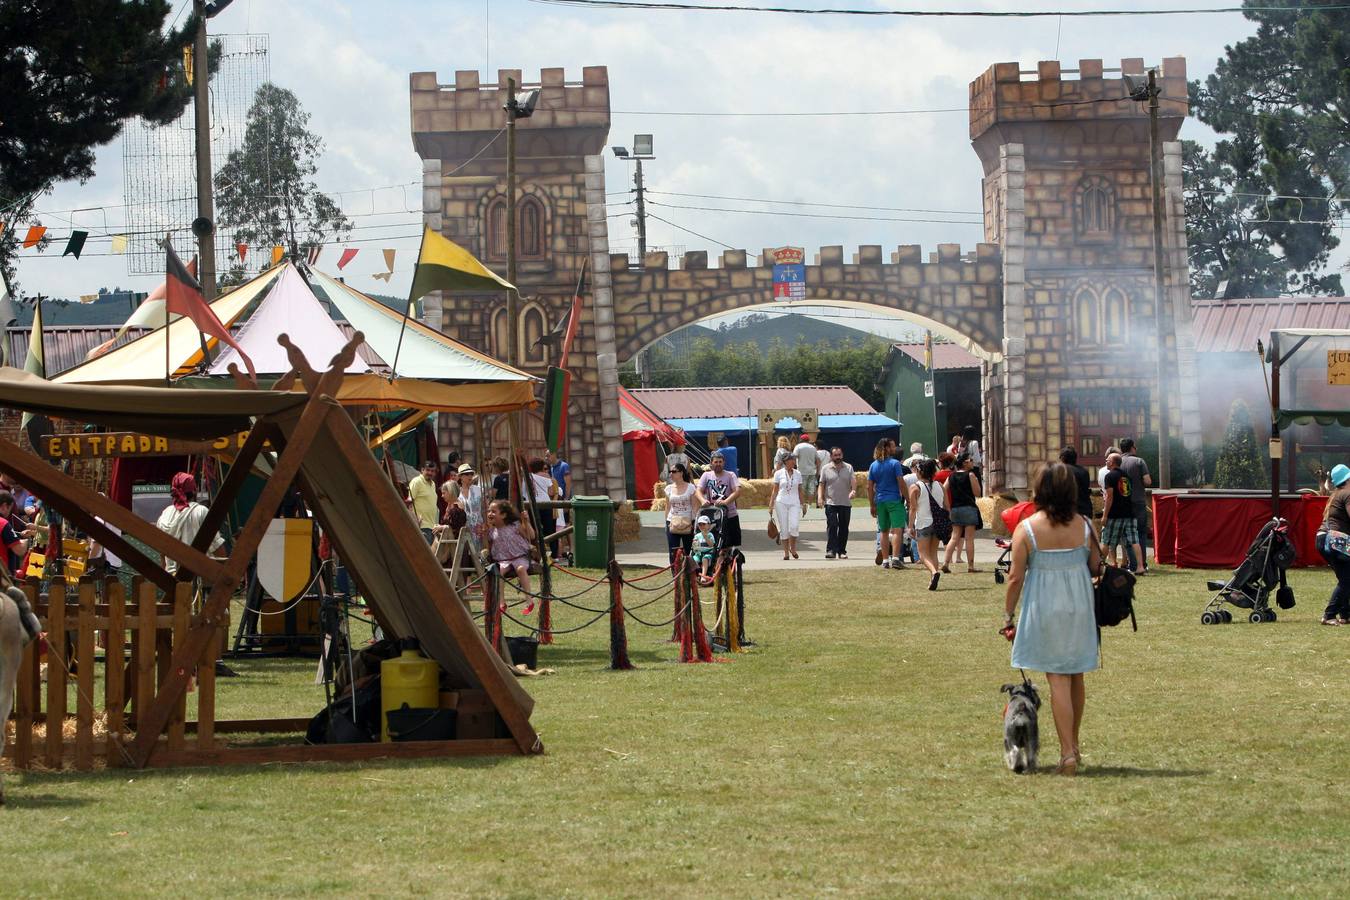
(513, 295)
(1161, 319)
(204, 227)
(641, 214)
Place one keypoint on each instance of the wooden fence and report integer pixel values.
(115, 651)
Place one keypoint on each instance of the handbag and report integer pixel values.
(773, 528)
(681, 525)
(942, 520)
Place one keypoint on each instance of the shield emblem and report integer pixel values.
(286, 557)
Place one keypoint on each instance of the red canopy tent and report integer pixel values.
(642, 431)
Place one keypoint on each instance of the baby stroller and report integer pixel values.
(731, 563)
(1012, 517)
(1259, 573)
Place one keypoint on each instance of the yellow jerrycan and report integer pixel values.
(409, 678)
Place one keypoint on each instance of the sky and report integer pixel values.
(349, 62)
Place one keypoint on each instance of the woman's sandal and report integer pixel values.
(946, 570)
(1068, 765)
(794, 555)
(1332, 622)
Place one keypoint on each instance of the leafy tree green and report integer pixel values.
(856, 365)
(1262, 220)
(1239, 464)
(265, 193)
(71, 74)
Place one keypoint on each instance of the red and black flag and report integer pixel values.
(566, 329)
(557, 386)
(183, 297)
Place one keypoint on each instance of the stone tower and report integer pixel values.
(1067, 196)
(458, 130)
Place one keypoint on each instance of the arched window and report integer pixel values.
(532, 326)
(1086, 316)
(495, 229)
(1095, 209)
(1115, 317)
(530, 229)
(499, 334)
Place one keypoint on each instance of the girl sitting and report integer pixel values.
(510, 537)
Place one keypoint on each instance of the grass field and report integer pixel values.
(856, 750)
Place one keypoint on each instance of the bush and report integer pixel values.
(1240, 463)
(1187, 470)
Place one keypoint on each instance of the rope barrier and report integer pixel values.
(528, 627)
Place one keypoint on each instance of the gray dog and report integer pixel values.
(1021, 730)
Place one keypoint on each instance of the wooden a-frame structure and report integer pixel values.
(319, 450)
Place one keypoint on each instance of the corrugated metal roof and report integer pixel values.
(854, 422)
(1234, 326)
(723, 402)
(945, 355)
(64, 346)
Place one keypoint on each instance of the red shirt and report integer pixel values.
(942, 475)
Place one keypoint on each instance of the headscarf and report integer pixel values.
(183, 488)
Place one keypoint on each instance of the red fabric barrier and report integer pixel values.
(1214, 531)
(1165, 528)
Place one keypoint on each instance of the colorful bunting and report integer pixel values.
(348, 254)
(34, 235)
(2, 228)
(242, 249)
(187, 63)
(36, 363)
(389, 264)
(277, 253)
(75, 246)
(119, 243)
(314, 254)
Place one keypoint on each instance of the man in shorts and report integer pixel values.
(1135, 469)
(885, 486)
(1118, 523)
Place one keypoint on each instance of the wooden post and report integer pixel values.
(206, 693)
(24, 707)
(182, 602)
(145, 653)
(84, 679)
(56, 672)
(114, 666)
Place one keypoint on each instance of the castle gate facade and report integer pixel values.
(1058, 303)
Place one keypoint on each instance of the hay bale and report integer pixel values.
(991, 510)
(627, 526)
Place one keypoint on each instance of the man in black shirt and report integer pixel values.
(1118, 523)
(1069, 456)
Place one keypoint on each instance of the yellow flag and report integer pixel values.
(187, 62)
(119, 243)
(443, 265)
(277, 253)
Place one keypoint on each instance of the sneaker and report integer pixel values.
(881, 556)
(829, 556)
(933, 582)
(885, 563)
(896, 563)
(843, 556)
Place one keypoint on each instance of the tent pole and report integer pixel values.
(1274, 422)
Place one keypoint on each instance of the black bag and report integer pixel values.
(942, 520)
(1114, 597)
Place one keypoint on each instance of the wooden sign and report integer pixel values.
(112, 444)
(1338, 367)
(806, 419)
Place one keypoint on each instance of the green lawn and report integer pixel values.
(856, 750)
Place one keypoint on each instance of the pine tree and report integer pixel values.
(265, 195)
(71, 73)
(1282, 99)
(1240, 460)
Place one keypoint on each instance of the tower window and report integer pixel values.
(1095, 209)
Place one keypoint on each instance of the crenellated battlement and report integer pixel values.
(1005, 92)
(866, 255)
(448, 118)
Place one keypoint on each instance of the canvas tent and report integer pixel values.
(643, 433)
(434, 373)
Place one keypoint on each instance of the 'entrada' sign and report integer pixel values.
(95, 445)
(1338, 367)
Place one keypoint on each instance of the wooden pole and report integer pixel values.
(1161, 319)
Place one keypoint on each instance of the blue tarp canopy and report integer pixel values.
(854, 422)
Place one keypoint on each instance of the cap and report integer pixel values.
(464, 469)
(1340, 474)
(806, 437)
(704, 520)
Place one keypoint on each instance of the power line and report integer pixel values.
(945, 212)
(804, 215)
(693, 232)
(654, 5)
(876, 112)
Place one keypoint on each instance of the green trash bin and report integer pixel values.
(592, 518)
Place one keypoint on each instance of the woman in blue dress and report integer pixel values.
(1053, 558)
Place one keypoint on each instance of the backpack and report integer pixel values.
(1113, 599)
(942, 520)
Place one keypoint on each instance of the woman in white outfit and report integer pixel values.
(787, 502)
(922, 496)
